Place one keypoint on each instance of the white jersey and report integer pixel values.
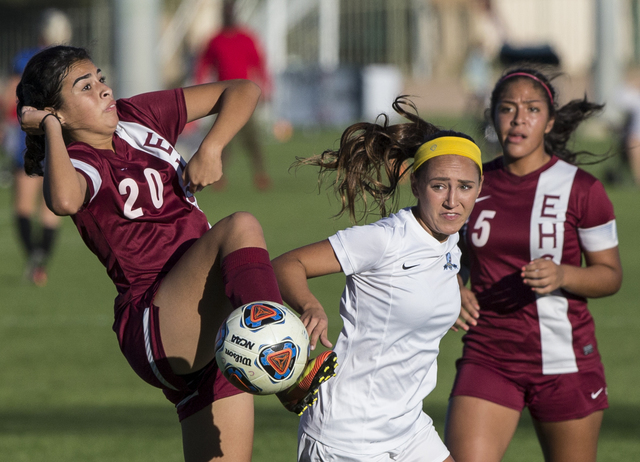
(401, 297)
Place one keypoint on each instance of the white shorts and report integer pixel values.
(424, 446)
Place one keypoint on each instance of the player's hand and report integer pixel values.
(203, 169)
(543, 276)
(30, 119)
(315, 320)
(469, 310)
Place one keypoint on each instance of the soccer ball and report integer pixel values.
(262, 348)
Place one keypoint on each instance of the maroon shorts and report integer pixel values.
(550, 398)
(138, 329)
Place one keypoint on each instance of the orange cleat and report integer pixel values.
(304, 392)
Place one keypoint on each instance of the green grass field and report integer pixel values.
(67, 394)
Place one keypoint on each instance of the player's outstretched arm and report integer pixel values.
(292, 271)
(234, 101)
(64, 188)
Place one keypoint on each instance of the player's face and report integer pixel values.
(446, 188)
(88, 110)
(521, 120)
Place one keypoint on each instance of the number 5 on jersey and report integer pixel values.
(482, 228)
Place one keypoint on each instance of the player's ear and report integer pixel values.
(549, 126)
(414, 184)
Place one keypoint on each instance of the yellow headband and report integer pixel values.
(447, 145)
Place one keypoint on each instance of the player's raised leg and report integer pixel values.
(570, 440)
(193, 297)
(478, 430)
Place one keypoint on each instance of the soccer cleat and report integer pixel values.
(35, 270)
(303, 393)
(39, 276)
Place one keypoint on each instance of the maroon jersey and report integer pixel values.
(556, 212)
(139, 219)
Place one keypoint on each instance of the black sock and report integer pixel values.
(24, 233)
(48, 239)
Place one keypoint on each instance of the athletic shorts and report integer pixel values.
(424, 446)
(550, 398)
(138, 329)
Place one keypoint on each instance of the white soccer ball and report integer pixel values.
(262, 348)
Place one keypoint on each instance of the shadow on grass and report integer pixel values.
(90, 420)
(619, 421)
(119, 419)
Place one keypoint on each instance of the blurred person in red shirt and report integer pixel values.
(234, 53)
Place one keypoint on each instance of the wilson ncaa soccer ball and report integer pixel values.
(262, 348)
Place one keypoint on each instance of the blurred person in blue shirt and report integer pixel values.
(36, 225)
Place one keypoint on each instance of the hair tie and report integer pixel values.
(531, 76)
(43, 119)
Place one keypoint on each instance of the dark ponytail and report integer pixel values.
(567, 117)
(40, 87)
(371, 159)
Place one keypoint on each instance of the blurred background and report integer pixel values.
(333, 61)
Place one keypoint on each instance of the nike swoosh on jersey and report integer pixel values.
(406, 266)
(480, 199)
(596, 394)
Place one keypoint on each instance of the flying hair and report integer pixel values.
(369, 163)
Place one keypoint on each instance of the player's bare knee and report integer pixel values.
(246, 225)
(238, 230)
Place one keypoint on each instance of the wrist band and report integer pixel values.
(43, 119)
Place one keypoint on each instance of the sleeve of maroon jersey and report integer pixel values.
(89, 163)
(163, 111)
(594, 205)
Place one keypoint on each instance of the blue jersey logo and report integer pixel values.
(449, 265)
